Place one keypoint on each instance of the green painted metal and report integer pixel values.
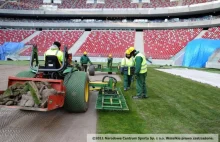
(114, 101)
(68, 69)
(109, 97)
(102, 68)
(97, 84)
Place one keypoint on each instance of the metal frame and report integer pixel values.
(110, 97)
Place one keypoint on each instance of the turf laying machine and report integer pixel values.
(52, 86)
(102, 68)
(110, 96)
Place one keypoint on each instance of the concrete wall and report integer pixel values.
(140, 12)
(194, 24)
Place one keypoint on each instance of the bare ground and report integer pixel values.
(53, 126)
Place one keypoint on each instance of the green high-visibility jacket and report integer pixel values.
(85, 60)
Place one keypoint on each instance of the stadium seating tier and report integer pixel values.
(46, 38)
(164, 44)
(103, 43)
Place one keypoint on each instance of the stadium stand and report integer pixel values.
(14, 35)
(164, 44)
(23, 5)
(81, 4)
(46, 38)
(101, 43)
(190, 2)
(212, 33)
(159, 3)
(117, 4)
(66, 4)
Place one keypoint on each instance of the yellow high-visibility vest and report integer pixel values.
(143, 64)
(127, 63)
(57, 53)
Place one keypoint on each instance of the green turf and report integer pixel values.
(175, 105)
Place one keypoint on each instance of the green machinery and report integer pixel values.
(102, 68)
(109, 97)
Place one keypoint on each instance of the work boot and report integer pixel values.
(128, 88)
(145, 97)
(136, 97)
(125, 89)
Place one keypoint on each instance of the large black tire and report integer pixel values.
(91, 70)
(27, 74)
(77, 91)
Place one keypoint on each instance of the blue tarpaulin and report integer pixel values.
(198, 51)
(9, 48)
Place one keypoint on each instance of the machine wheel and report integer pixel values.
(77, 91)
(27, 74)
(91, 70)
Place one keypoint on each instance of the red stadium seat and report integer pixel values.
(164, 44)
(159, 3)
(189, 2)
(46, 38)
(101, 43)
(212, 33)
(14, 35)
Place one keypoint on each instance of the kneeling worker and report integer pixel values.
(55, 50)
(127, 69)
(84, 61)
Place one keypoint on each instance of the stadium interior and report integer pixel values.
(100, 27)
(180, 79)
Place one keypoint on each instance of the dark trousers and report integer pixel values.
(84, 67)
(127, 80)
(141, 84)
(35, 58)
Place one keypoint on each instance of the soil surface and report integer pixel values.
(54, 126)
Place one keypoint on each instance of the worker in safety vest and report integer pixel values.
(110, 60)
(140, 73)
(127, 69)
(84, 60)
(55, 50)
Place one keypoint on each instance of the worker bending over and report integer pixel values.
(140, 72)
